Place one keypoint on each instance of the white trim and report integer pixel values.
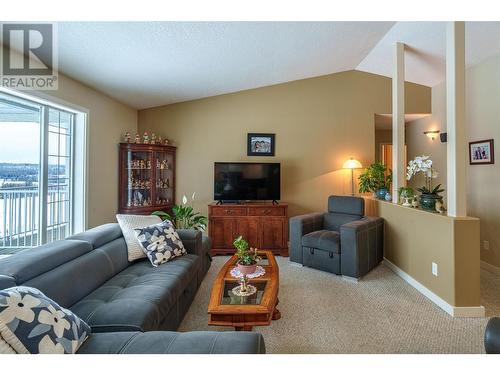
(490, 267)
(454, 311)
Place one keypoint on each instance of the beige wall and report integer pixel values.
(419, 144)
(416, 238)
(108, 121)
(381, 136)
(319, 123)
(482, 118)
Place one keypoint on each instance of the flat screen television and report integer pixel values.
(246, 181)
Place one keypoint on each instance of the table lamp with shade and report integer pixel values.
(352, 164)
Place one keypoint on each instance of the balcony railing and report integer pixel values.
(20, 216)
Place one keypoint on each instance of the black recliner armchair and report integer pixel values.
(492, 336)
(342, 241)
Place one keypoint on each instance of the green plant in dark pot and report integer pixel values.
(377, 179)
(429, 195)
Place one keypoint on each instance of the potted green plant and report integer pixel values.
(377, 179)
(184, 216)
(406, 193)
(247, 257)
(429, 195)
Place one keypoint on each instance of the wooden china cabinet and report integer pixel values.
(147, 178)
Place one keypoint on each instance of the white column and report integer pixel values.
(398, 120)
(457, 148)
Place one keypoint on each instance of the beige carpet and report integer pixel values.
(323, 313)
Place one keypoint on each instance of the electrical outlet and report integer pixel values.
(434, 269)
(486, 245)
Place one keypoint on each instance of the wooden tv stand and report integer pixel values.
(263, 225)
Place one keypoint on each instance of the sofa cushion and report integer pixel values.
(160, 242)
(71, 281)
(326, 240)
(30, 263)
(139, 297)
(30, 322)
(174, 343)
(100, 235)
(346, 205)
(128, 224)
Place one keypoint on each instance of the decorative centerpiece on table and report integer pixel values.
(184, 216)
(376, 179)
(429, 195)
(246, 265)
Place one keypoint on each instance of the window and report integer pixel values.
(39, 199)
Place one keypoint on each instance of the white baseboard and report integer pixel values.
(454, 311)
(490, 267)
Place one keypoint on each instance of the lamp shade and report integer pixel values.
(352, 164)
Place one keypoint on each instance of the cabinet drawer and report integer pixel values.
(266, 211)
(228, 211)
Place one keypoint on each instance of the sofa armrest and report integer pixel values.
(299, 226)
(361, 245)
(192, 240)
(492, 336)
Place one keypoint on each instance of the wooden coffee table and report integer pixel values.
(243, 313)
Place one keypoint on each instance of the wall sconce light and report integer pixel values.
(431, 133)
(352, 164)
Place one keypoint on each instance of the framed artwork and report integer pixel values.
(481, 152)
(260, 144)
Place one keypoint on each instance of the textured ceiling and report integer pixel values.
(426, 49)
(146, 64)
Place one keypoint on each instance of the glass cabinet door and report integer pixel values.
(138, 187)
(164, 183)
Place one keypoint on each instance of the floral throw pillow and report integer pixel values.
(30, 322)
(160, 242)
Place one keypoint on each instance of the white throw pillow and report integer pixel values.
(128, 224)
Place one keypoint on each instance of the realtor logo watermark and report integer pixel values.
(29, 56)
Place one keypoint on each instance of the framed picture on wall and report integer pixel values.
(481, 152)
(260, 144)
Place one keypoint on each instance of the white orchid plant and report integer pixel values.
(184, 216)
(423, 164)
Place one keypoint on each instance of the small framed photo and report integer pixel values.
(481, 152)
(260, 144)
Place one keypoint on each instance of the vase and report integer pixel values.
(388, 197)
(247, 269)
(428, 201)
(380, 193)
(406, 202)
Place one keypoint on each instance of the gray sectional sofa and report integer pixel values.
(130, 306)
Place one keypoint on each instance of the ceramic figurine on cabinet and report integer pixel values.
(166, 141)
(145, 138)
(414, 202)
(159, 140)
(153, 138)
(137, 138)
(127, 137)
(440, 207)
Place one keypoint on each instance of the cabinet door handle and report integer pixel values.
(229, 211)
(267, 212)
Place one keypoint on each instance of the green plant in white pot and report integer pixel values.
(184, 216)
(406, 194)
(429, 194)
